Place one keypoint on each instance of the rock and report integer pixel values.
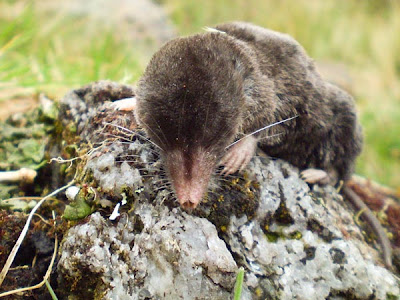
(174, 255)
(293, 242)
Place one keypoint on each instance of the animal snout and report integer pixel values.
(188, 205)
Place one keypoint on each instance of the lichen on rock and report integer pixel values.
(293, 242)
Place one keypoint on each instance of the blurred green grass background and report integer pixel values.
(56, 52)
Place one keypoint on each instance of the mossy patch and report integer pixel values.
(238, 196)
(23, 145)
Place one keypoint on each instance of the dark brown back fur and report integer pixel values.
(326, 134)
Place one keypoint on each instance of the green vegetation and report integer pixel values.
(237, 292)
(51, 291)
(52, 53)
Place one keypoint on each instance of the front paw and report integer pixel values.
(127, 104)
(239, 155)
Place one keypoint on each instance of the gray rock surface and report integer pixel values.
(293, 242)
(174, 256)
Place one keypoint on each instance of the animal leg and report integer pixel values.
(319, 176)
(127, 104)
(239, 155)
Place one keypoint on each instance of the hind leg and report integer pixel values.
(319, 176)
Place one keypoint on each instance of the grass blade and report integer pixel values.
(238, 284)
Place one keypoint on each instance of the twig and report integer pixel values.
(88, 153)
(20, 268)
(375, 185)
(34, 260)
(43, 219)
(25, 198)
(24, 174)
(372, 221)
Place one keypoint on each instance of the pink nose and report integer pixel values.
(188, 205)
(189, 195)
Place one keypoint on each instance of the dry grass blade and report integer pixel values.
(24, 231)
(46, 276)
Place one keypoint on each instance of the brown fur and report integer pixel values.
(202, 91)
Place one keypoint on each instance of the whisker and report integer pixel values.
(150, 129)
(151, 172)
(169, 192)
(135, 133)
(229, 177)
(213, 193)
(131, 142)
(149, 149)
(105, 124)
(164, 185)
(148, 175)
(161, 181)
(160, 188)
(120, 127)
(118, 137)
(261, 129)
(135, 161)
(129, 161)
(162, 132)
(130, 155)
(130, 158)
(271, 136)
(225, 180)
(168, 195)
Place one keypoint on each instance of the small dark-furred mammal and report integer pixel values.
(201, 93)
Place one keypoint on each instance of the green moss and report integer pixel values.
(392, 297)
(24, 142)
(93, 287)
(78, 209)
(238, 197)
(323, 232)
(273, 236)
(295, 235)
